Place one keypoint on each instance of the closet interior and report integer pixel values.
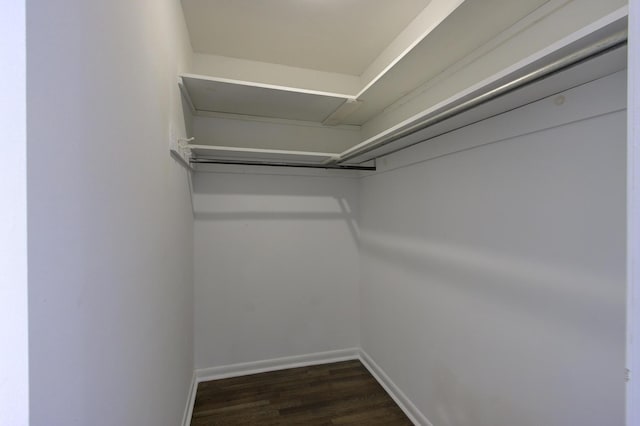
(436, 188)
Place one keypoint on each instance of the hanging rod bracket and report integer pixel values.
(180, 150)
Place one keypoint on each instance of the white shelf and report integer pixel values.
(255, 154)
(238, 97)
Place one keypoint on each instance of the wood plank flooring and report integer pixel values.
(342, 393)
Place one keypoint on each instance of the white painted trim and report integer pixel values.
(403, 401)
(266, 86)
(319, 358)
(191, 399)
(275, 364)
(633, 217)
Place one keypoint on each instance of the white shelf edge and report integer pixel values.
(262, 151)
(267, 86)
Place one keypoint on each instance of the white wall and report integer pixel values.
(110, 221)
(270, 73)
(273, 134)
(14, 377)
(493, 274)
(633, 214)
(276, 266)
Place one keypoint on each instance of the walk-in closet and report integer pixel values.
(320, 212)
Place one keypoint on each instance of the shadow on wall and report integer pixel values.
(254, 197)
(562, 295)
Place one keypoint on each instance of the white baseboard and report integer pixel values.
(191, 399)
(396, 394)
(246, 368)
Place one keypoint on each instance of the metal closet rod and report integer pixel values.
(282, 164)
(601, 47)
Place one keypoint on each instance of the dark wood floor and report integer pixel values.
(342, 393)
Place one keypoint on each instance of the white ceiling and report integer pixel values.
(341, 36)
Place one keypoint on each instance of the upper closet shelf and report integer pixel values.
(196, 155)
(255, 154)
(416, 90)
(208, 94)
